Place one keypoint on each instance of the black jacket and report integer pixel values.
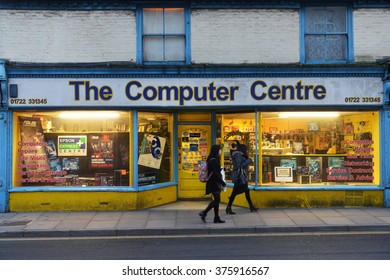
(215, 179)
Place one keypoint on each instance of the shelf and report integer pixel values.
(84, 132)
(306, 155)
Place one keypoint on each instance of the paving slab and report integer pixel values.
(182, 217)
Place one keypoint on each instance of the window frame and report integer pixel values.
(349, 58)
(140, 36)
(169, 144)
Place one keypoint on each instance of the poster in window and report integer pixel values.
(72, 145)
(297, 148)
(315, 165)
(336, 170)
(54, 161)
(348, 129)
(289, 163)
(315, 168)
(151, 151)
(70, 164)
(32, 151)
(102, 151)
(51, 149)
(313, 126)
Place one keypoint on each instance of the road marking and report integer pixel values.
(196, 235)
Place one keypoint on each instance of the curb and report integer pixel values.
(189, 231)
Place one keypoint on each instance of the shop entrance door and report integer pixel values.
(194, 147)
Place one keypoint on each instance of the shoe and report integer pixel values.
(229, 211)
(218, 221)
(203, 216)
(253, 208)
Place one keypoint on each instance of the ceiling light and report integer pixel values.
(309, 115)
(89, 115)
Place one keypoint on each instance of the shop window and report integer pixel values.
(326, 34)
(64, 148)
(155, 152)
(239, 127)
(164, 35)
(326, 148)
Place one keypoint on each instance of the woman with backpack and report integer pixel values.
(241, 160)
(214, 183)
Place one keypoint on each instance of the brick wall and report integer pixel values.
(245, 36)
(225, 36)
(371, 34)
(67, 36)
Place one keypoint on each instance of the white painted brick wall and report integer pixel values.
(245, 36)
(218, 36)
(67, 36)
(371, 34)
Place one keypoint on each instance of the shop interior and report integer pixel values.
(93, 148)
(72, 149)
(90, 148)
(305, 147)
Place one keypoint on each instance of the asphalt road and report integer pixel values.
(289, 246)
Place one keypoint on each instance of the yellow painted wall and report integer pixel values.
(118, 201)
(90, 201)
(309, 199)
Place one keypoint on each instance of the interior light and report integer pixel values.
(88, 115)
(309, 115)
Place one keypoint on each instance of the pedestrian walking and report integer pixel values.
(241, 161)
(214, 184)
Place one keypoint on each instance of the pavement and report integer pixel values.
(181, 218)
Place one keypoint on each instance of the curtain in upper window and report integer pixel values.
(326, 34)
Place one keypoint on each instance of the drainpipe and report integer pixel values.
(3, 137)
(385, 141)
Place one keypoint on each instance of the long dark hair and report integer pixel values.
(214, 152)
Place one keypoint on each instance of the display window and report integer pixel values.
(326, 148)
(237, 128)
(304, 148)
(71, 148)
(155, 152)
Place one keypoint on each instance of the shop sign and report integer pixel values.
(72, 145)
(197, 92)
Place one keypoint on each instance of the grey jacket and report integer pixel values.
(239, 160)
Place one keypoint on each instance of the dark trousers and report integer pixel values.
(233, 196)
(214, 204)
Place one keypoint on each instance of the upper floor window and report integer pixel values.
(164, 36)
(327, 35)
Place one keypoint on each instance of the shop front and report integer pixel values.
(125, 143)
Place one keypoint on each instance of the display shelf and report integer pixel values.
(319, 168)
(304, 155)
(274, 151)
(80, 132)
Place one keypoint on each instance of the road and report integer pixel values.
(289, 246)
